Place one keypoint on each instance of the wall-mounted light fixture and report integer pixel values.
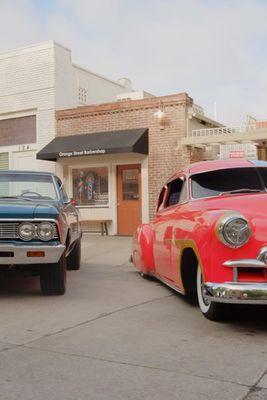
(160, 116)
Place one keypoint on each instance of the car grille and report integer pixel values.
(9, 230)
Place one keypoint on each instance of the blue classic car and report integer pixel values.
(39, 228)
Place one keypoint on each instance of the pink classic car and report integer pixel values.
(209, 235)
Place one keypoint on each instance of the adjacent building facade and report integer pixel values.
(246, 141)
(115, 157)
(34, 82)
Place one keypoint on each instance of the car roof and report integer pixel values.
(205, 166)
(12, 171)
(215, 165)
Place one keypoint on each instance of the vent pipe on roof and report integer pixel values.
(126, 82)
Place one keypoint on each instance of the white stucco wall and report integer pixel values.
(65, 79)
(37, 80)
(27, 87)
(99, 89)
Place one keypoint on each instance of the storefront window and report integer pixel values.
(90, 186)
(130, 187)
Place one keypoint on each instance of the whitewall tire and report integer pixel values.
(211, 310)
(204, 304)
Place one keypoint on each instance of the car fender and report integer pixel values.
(198, 232)
(209, 250)
(143, 257)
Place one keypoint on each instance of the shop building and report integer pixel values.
(34, 82)
(115, 157)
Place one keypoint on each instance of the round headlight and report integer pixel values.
(234, 231)
(45, 231)
(26, 231)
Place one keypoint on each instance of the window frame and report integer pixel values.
(181, 178)
(62, 191)
(87, 166)
(190, 193)
(163, 205)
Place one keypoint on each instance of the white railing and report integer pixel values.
(226, 130)
(197, 109)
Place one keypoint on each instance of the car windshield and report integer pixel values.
(27, 186)
(234, 180)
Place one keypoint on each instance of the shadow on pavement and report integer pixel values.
(18, 286)
(252, 317)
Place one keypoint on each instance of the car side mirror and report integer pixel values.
(73, 202)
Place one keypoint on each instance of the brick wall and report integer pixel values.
(166, 154)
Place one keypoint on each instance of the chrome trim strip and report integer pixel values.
(235, 274)
(245, 263)
(258, 262)
(236, 292)
(166, 282)
(52, 254)
(27, 219)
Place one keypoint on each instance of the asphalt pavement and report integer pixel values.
(114, 335)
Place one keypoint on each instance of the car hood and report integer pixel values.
(247, 204)
(27, 209)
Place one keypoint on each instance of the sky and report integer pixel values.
(215, 50)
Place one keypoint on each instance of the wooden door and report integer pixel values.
(128, 198)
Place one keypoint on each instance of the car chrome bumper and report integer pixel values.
(236, 292)
(20, 254)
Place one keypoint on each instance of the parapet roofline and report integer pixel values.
(50, 44)
(31, 47)
(99, 75)
(150, 102)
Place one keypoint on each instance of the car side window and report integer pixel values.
(64, 195)
(175, 189)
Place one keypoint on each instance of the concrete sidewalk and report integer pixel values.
(108, 250)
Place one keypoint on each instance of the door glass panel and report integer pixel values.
(130, 184)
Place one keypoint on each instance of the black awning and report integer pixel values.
(99, 143)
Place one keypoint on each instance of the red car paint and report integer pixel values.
(158, 246)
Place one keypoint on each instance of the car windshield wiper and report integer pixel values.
(242, 190)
